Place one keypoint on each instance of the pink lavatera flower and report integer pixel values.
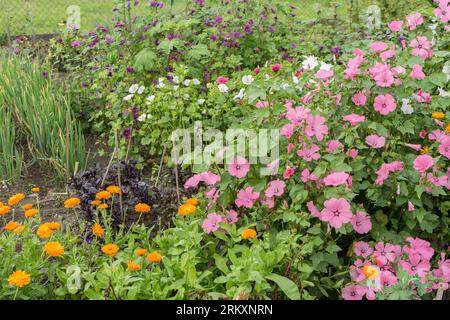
(362, 249)
(239, 167)
(288, 172)
(375, 141)
(421, 47)
(387, 278)
(273, 167)
(353, 153)
(336, 179)
(378, 46)
(334, 145)
(395, 25)
(443, 11)
(422, 96)
(308, 176)
(275, 189)
(414, 20)
(361, 222)
(222, 80)
(287, 130)
(416, 147)
(353, 292)
(444, 147)
(417, 72)
(415, 265)
(316, 127)
(208, 178)
(324, 74)
(419, 247)
(354, 119)
(387, 54)
(211, 223)
(336, 212)
(384, 104)
(385, 253)
(359, 99)
(423, 162)
(313, 210)
(246, 197)
(309, 154)
(268, 202)
(232, 217)
(297, 115)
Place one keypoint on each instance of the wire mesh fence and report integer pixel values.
(49, 16)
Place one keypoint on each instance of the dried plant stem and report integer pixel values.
(176, 171)
(160, 166)
(116, 141)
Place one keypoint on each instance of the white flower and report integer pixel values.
(161, 83)
(133, 88)
(443, 93)
(406, 107)
(175, 87)
(150, 98)
(187, 82)
(247, 80)
(142, 117)
(240, 95)
(196, 81)
(310, 62)
(433, 26)
(176, 79)
(223, 88)
(201, 101)
(267, 76)
(446, 69)
(128, 97)
(285, 86)
(295, 80)
(325, 66)
(141, 90)
(186, 96)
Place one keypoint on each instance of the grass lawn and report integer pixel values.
(44, 16)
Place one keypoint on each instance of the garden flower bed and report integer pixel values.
(241, 163)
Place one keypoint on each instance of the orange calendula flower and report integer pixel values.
(103, 206)
(438, 115)
(133, 266)
(140, 252)
(11, 226)
(15, 199)
(1, 204)
(36, 190)
(19, 230)
(71, 203)
(46, 230)
(447, 128)
(110, 249)
(154, 257)
(4, 210)
(192, 201)
(370, 272)
(27, 206)
(19, 279)
(96, 202)
(142, 208)
(424, 150)
(103, 195)
(31, 213)
(98, 231)
(113, 189)
(54, 249)
(248, 234)
(186, 209)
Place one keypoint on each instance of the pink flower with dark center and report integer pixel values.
(375, 141)
(324, 74)
(419, 247)
(414, 20)
(362, 249)
(422, 96)
(297, 115)
(246, 197)
(415, 266)
(359, 99)
(387, 278)
(309, 154)
(385, 253)
(361, 222)
(387, 54)
(443, 11)
(275, 188)
(287, 130)
(336, 212)
(315, 127)
(353, 292)
(421, 47)
(336, 179)
(239, 167)
(354, 118)
(232, 217)
(268, 202)
(423, 162)
(384, 104)
(211, 223)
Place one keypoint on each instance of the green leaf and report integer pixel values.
(289, 288)
(145, 60)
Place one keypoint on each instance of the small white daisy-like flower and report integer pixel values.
(223, 88)
(128, 97)
(247, 79)
(133, 89)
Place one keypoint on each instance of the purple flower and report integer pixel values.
(126, 133)
(75, 43)
(135, 112)
(130, 69)
(93, 43)
(45, 73)
(218, 19)
(109, 39)
(248, 28)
